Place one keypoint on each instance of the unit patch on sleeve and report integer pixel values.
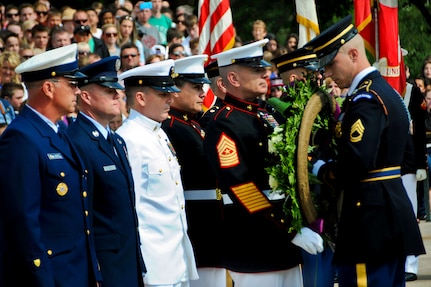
(227, 152)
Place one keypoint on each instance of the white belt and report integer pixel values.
(215, 194)
(207, 194)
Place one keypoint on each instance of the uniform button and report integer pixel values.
(228, 108)
(176, 182)
(182, 206)
(160, 170)
(260, 144)
(62, 174)
(85, 170)
(86, 213)
(84, 194)
(272, 215)
(49, 252)
(88, 232)
(358, 203)
(170, 158)
(282, 220)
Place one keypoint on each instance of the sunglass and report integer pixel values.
(179, 53)
(78, 22)
(111, 34)
(10, 15)
(42, 13)
(72, 84)
(130, 55)
(26, 57)
(126, 17)
(180, 22)
(83, 52)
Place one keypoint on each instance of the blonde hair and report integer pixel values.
(14, 59)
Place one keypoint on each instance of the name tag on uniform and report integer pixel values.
(109, 167)
(53, 156)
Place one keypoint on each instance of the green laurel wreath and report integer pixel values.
(282, 144)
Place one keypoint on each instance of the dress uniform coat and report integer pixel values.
(377, 223)
(165, 245)
(204, 216)
(44, 208)
(112, 204)
(256, 237)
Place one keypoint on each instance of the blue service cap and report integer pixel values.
(159, 76)
(299, 58)
(191, 69)
(103, 72)
(59, 62)
(248, 55)
(327, 44)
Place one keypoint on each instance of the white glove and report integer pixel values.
(316, 167)
(308, 240)
(421, 174)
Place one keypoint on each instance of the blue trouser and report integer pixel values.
(318, 270)
(390, 274)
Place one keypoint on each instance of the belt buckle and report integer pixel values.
(219, 196)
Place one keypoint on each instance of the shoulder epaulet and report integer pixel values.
(363, 92)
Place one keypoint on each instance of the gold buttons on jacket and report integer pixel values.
(49, 252)
(88, 232)
(86, 213)
(84, 194)
(62, 174)
(160, 170)
(358, 204)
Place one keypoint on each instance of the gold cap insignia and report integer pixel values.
(62, 189)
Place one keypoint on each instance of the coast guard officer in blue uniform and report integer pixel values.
(43, 203)
(110, 179)
(377, 227)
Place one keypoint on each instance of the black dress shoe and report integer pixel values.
(411, 276)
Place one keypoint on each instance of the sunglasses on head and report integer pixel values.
(179, 53)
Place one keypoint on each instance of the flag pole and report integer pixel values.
(376, 29)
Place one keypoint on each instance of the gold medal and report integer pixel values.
(62, 189)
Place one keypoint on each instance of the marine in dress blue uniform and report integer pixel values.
(203, 201)
(377, 226)
(111, 188)
(257, 244)
(44, 201)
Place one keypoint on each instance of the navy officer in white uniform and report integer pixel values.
(166, 247)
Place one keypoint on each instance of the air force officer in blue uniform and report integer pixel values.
(45, 227)
(110, 178)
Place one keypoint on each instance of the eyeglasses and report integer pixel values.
(111, 34)
(179, 53)
(82, 21)
(10, 15)
(40, 13)
(127, 56)
(72, 84)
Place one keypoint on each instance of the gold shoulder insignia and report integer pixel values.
(357, 131)
(227, 153)
(251, 197)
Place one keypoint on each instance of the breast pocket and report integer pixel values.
(60, 177)
(159, 178)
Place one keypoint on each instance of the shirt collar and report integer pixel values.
(358, 78)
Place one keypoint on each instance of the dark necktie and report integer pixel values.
(110, 140)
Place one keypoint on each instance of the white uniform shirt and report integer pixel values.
(160, 203)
